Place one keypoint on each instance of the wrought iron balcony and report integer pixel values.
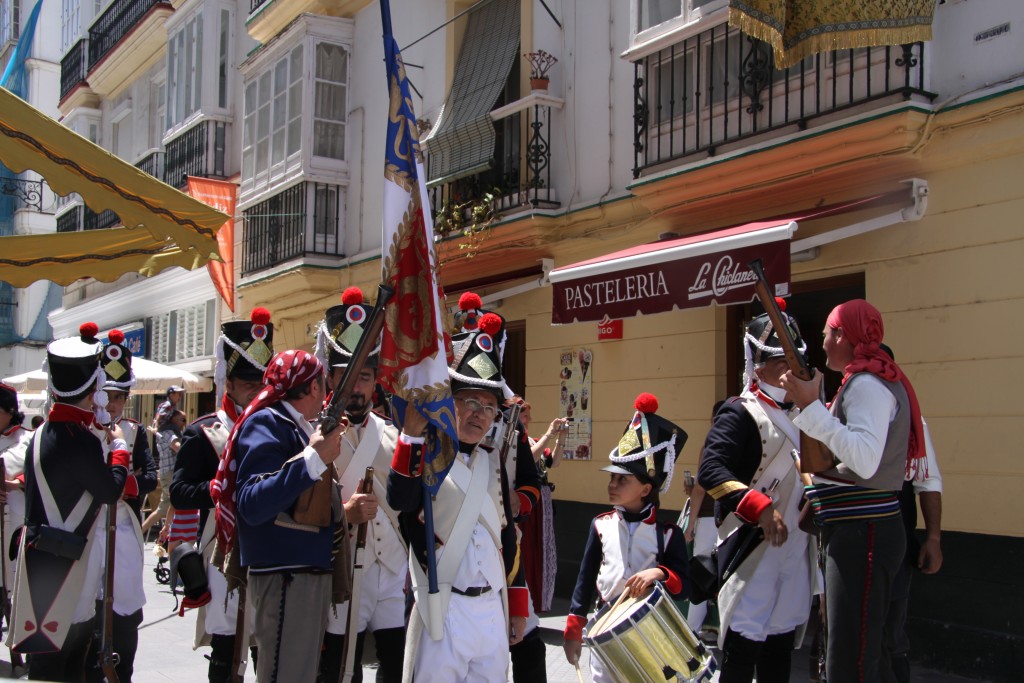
(70, 220)
(255, 5)
(721, 87)
(73, 67)
(26, 193)
(99, 221)
(520, 173)
(152, 163)
(117, 21)
(303, 220)
(199, 151)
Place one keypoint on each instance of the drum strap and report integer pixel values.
(660, 534)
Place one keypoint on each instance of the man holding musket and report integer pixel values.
(67, 480)
(369, 441)
(483, 594)
(129, 596)
(278, 456)
(747, 467)
(243, 350)
(875, 435)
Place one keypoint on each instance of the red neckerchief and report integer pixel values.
(12, 429)
(65, 412)
(227, 404)
(756, 390)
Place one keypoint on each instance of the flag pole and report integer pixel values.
(435, 622)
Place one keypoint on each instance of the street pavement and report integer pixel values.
(165, 646)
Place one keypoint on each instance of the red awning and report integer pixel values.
(689, 272)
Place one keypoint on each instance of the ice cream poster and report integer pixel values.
(574, 374)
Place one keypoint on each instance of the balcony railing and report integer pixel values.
(99, 221)
(28, 194)
(115, 23)
(153, 164)
(255, 5)
(305, 219)
(70, 220)
(720, 87)
(520, 173)
(199, 151)
(73, 67)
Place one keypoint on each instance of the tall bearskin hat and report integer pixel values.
(649, 447)
(477, 363)
(341, 329)
(468, 318)
(116, 360)
(761, 341)
(245, 347)
(73, 368)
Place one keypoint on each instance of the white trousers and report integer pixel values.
(474, 648)
(381, 602)
(129, 596)
(778, 597)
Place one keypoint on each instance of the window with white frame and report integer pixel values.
(9, 20)
(183, 334)
(651, 18)
(184, 71)
(329, 105)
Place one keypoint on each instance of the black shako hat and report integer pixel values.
(649, 447)
(116, 360)
(245, 347)
(73, 363)
(761, 340)
(477, 362)
(341, 329)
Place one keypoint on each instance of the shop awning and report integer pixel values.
(163, 226)
(151, 378)
(689, 272)
(708, 268)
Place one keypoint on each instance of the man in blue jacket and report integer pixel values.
(279, 456)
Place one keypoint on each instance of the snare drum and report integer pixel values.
(647, 639)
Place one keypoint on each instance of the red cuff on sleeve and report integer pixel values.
(518, 601)
(752, 505)
(131, 487)
(120, 458)
(402, 460)
(525, 504)
(574, 627)
(673, 584)
(21, 478)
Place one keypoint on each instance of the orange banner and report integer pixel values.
(220, 195)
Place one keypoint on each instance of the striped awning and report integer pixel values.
(163, 227)
(462, 143)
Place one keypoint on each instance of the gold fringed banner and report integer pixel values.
(798, 28)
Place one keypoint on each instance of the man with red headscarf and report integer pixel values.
(277, 456)
(873, 429)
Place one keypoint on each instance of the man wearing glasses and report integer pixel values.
(484, 608)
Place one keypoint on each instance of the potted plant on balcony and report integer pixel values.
(540, 63)
(472, 218)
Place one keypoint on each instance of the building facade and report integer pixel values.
(891, 170)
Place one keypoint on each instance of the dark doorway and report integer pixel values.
(514, 362)
(810, 304)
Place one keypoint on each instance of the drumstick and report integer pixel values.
(579, 672)
(598, 626)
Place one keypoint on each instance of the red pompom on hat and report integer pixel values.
(490, 323)
(469, 301)
(352, 296)
(115, 336)
(646, 403)
(260, 316)
(88, 330)
(781, 303)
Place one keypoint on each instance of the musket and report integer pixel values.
(814, 455)
(108, 658)
(332, 414)
(237, 652)
(508, 439)
(352, 622)
(5, 593)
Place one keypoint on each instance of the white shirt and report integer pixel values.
(869, 407)
(928, 480)
(315, 466)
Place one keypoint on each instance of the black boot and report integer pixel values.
(739, 658)
(330, 658)
(223, 651)
(390, 644)
(776, 657)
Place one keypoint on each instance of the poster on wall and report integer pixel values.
(574, 375)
